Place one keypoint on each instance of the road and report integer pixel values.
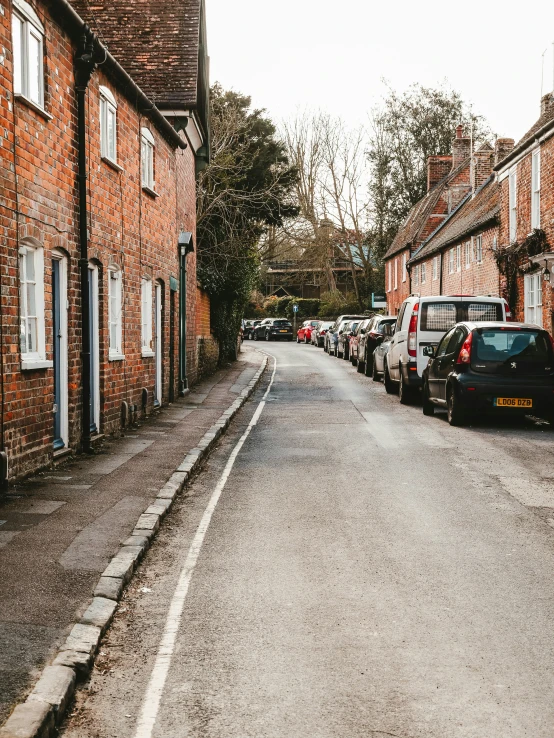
(367, 571)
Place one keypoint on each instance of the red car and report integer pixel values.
(305, 331)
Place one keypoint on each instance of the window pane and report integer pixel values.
(35, 86)
(111, 133)
(31, 301)
(23, 335)
(30, 266)
(31, 335)
(17, 30)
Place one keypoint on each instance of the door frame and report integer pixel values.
(158, 343)
(94, 297)
(61, 258)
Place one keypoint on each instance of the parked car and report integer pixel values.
(273, 329)
(423, 321)
(249, 327)
(355, 340)
(378, 358)
(368, 342)
(305, 331)
(318, 334)
(333, 337)
(503, 368)
(332, 333)
(344, 336)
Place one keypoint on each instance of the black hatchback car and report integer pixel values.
(273, 329)
(505, 368)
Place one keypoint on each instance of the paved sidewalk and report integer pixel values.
(59, 530)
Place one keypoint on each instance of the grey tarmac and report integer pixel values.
(368, 571)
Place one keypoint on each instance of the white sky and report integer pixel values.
(291, 54)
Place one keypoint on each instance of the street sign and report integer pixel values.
(378, 300)
(295, 308)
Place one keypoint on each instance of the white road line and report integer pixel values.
(154, 691)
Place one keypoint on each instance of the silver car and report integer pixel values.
(383, 345)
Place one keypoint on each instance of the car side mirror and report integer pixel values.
(379, 339)
(340, 333)
(429, 351)
(362, 332)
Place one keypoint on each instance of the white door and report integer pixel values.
(533, 298)
(158, 343)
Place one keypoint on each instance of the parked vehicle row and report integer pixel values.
(462, 353)
(270, 329)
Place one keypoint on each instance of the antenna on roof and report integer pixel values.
(542, 70)
(471, 173)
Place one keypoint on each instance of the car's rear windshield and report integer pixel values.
(442, 316)
(281, 322)
(511, 351)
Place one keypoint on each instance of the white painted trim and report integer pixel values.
(116, 357)
(108, 95)
(26, 10)
(95, 318)
(147, 134)
(28, 365)
(64, 379)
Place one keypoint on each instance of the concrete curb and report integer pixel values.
(45, 707)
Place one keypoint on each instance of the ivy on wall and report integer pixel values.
(512, 261)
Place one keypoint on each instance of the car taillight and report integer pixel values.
(464, 357)
(508, 312)
(412, 332)
(375, 334)
(322, 333)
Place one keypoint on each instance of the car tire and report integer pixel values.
(390, 386)
(427, 405)
(254, 336)
(305, 339)
(360, 366)
(368, 367)
(374, 373)
(267, 338)
(346, 355)
(456, 414)
(405, 394)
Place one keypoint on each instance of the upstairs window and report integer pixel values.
(108, 125)
(146, 312)
(479, 249)
(115, 304)
(423, 271)
(390, 276)
(458, 257)
(416, 275)
(396, 274)
(404, 270)
(536, 189)
(435, 267)
(28, 42)
(147, 145)
(512, 184)
(451, 261)
(467, 254)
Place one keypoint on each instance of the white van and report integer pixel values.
(423, 321)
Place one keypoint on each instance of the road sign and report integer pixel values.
(295, 308)
(378, 301)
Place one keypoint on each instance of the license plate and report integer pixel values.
(283, 331)
(512, 402)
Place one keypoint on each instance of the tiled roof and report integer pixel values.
(470, 215)
(414, 225)
(155, 41)
(545, 118)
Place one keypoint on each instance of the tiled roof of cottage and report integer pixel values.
(155, 41)
(472, 214)
(411, 230)
(546, 117)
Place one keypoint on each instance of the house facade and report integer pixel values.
(97, 213)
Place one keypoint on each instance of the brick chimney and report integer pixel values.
(461, 147)
(547, 105)
(482, 164)
(437, 168)
(502, 148)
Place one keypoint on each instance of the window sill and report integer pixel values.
(147, 354)
(33, 105)
(111, 163)
(116, 357)
(150, 191)
(29, 365)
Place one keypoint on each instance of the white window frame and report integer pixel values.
(404, 270)
(30, 28)
(435, 268)
(479, 249)
(451, 261)
(512, 191)
(115, 314)
(533, 298)
(536, 189)
(416, 275)
(147, 148)
(396, 274)
(35, 359)
(390, 276)
(108, 107)
(146, 317)
(423, 273)
(459, 257)
(467, 254)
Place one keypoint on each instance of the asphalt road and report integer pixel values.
(367, 571)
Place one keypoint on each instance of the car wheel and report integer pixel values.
(305, 339)
(346, 354)
(390, 386)
(405, 394)
(456, 414)
(267, 336)
(428, 407)
(360, 366)
(368, 366)
(255, 336)
(374, 373)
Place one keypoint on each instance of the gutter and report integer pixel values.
(136, 95)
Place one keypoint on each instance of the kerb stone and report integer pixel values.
(55, 687)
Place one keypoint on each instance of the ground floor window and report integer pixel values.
(533, 298)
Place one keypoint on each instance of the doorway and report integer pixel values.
(158, 343)
(59, 309)
(94, 324)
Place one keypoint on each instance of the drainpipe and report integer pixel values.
(440, 273)
(85, 64)
(185, 247)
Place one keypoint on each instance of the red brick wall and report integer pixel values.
(127, 226)
(203, 324)
(395, 297)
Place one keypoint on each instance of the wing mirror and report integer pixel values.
(429, 351)
(362, 331)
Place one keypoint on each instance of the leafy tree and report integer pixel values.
(244, 191)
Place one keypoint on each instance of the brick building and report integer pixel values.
(448, 182)
(97, 215)
(526, 181)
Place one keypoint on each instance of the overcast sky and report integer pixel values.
(291, 54)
